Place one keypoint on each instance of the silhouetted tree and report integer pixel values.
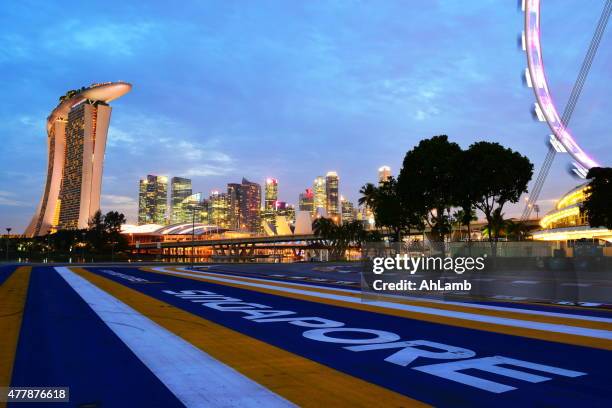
(598, 203)
(429, 174)
(497, 176)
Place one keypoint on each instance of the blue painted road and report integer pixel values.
(63, 342)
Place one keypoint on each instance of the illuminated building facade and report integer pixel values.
(384, 173)
(347, 210)
(245, 206)
(306, 201)
(193, 207)
(331, 194)
(567, 223)
(180, 189)
(318, 187)
(271, 195)
(218, 209)
(268, 213)
(76, 142)
(152, 200)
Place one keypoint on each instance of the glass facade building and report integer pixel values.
(218, 209)
(152, 200)
(271, 195)
(347, 210)
(180, 190)
(318, 187)
(306, 201)
(332, 196)
(245, 206)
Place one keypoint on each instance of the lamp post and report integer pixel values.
(193, 210)
(8, 233)
(83, 246)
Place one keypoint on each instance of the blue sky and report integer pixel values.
(287, 89)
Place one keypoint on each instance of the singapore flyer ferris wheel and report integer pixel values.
(561, 140)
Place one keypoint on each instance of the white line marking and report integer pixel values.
(581, 285)
(550, 327)
(525, 282)
(194, 377)
(422, 299)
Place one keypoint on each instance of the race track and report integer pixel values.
(222, 336)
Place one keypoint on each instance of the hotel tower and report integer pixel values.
(76, 141)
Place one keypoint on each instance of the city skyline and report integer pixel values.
(201, 117)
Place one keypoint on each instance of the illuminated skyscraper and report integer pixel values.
(245, 205)
(152, 200)
(384, 173)
(76, 141)
(180, 190)
(348, 210)
(318, 187)
(268, 213)
(218, 209)
(271, 194)
(192, 208)
(331, 194)
(306, 201)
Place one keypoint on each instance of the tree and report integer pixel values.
(429, 174)
(598, 202)
(498, 176)
(104, 232)
(516, 230)
(340, 237)
(464, 217)
(391, 209)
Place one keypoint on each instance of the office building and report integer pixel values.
(306, 201)
(76, 142)
(152, 200)
(318, 187)
(180, 189)
(271, 194)
(384, 174)
(218, 209)
(347, 210)
(245, 206)
(331, 195)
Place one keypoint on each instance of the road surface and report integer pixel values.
(287, 335)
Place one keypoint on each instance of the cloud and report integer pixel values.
(7, 198)
(124, 204)
(153, 137)
(114, 39)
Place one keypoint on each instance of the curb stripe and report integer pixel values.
(543, 331)
(176, 363)
(298, 379)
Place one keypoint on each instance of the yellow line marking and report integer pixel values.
(300, 380)
(13, 294)
(450, 321)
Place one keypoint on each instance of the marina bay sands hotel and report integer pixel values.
(76, 140)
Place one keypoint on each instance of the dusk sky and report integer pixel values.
(287, 89)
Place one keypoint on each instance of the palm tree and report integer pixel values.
(462, 217)
(369, 194)
(516, 230)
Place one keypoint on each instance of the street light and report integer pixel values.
(8, 233)
(83, 234)
(193, 210)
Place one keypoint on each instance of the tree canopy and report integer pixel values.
(429, 174)
(497, 175)
(598, 203)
